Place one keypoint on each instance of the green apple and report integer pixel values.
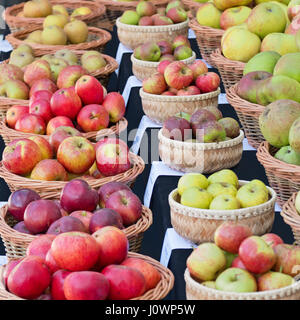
(130, 17)
(196, 198)
(209, 284)
(250, 195)
(208, 15)
(190, 180)
(263, 61)
(236, 280)
(288, 155)
(173, 4)
(22, 48)
(274, 280)
(218, 188)
(137, 52)
(206, 262)
(225, 175)
(229, 258)
(289, 65)
(57, 65)
(183, 115)
(183, 52)
(224, 202)
(297, 202)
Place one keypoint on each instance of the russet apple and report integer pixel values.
(31, 123)
(93, 117)
(49, 170)
(60, 134)
(114, 104)
(231, 126)
(44, 145)
(57, 284)
(40, 246)
(109, 188)
(178, 75)
(14, 113)
(89, 89)
(66, 224)
(57, 122)
(69, 75)
(38, 69)
(105, 217)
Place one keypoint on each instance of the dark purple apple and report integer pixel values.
(199, 118)
(177, 128)
(66, 224)
(107, 189)
(20, 226)
(105, 217)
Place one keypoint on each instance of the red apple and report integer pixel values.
(40, 214)
(83, 216)
(198, 67)
(31, 123)
(162, 66)
(109, 188)
(49, 170)
(146, 21)
(188, 91)
(57, 122)
(41, 108)
(161, 20)
(44, 296)
(21, 151)
(40, 95)
(57, 284)
(75, 251)
(127, 204)
(38, 69)
(114, 104)
(8, 268)
(29, 278)
(14, 113)
(44, 145)
(180, 40)
(60, 134)
(125, 282)
(93, 117)
(177, 14)
(272, 239)
(208, 82)
(69, 75)
(89, 89)
(86, 285)
(238, 263)
(50, 262)
(40, 246)
(20, 227)
(42, 84)
(168, 93)
(155, 84)
(165, 47)
(66, 224)
(177, 128)
(178, 75)
(105, 217)
(167, 57)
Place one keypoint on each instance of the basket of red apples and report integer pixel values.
(148, 22)
(238, 265)
(202, 142)
(146, 57)
(176, 87)
(199, 205)
(79, 266)
(79, 208)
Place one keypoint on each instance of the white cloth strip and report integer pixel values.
(131, 82)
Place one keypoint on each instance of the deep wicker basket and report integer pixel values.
(199, 225)
(159, 108)
(97, 39)
(248, 114)
(197, 291)
(52, 189)
(231, 71)
(16, 23)
(284, 178)
(144, 69)
(200, 157)
(208, 40)
(162, 289)
(132, 36)
(16, 242)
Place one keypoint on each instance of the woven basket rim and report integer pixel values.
(219, 59)
(200, 146)
(151, 64)
(198, 28)
(213, 214)
(152, 29)
(282, 292)
(290, 214)
(161, 98)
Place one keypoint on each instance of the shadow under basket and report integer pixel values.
(199, 225)
(248, 114)
(16, 242)
(231, 71)
(200, 157)
(161, 290)
(197, 291)
(284, 178)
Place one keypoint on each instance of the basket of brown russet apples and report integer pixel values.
(176, 87)
(203, 142)
(199, 205)
(147, 56)
(79, 208)
(238, 265)
(146, 23)
(42, 12)
(79, 266)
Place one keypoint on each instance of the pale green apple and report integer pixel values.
(59, 20)
(21, 59)
(14, 89)
(288, 155)
(288, 65)
(183, 115)
(225, 175)
(234, 16)
(280, 42)
(250, 195)
(196, 198)
(297, 202)
(22, 48)
(209, 284)
(263, 61)
(190, 180)
(56, 66)
(241, 26)
(208, 15)
(130, 17)
(224, 202)
(67, 55)
(218, 188)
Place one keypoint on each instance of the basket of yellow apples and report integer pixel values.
(199, 205)
(42, 12)
(239, 265)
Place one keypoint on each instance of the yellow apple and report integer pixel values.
(250, 195)
(225, 175)
(196, 198)
(218, 188)
(190, 180)
(58, 8)
(224, 202)
(59, 20)
(76, 31)
(54, 35)
(208, 15)
(81, 11)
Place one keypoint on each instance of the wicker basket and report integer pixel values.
(114, 9)
(196, 291)
(192, 5)
(97, 40)
(9, 134)
(52, 189)
(144, 69)
(231, 71)
(208, 40)
(284, 178)
(159, 108)
(199, 225)
(162, 289)
(18, 23)
(248, 114)
(200, 157)
(132, 36)
(16, 242)
(6, 103)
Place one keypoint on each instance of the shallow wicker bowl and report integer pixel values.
(200, 157)
(284, 178)
(162, 289)
(159, 108)
(17, 23)
(208, 39)
(16, 242)
(97, 39)
(131, 36)
(196, 291)
(248, 114)
(199, 225)
(231, 71)
(52, 189)
(144, 69)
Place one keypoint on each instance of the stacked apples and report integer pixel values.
(220, 191)
(241, 262)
